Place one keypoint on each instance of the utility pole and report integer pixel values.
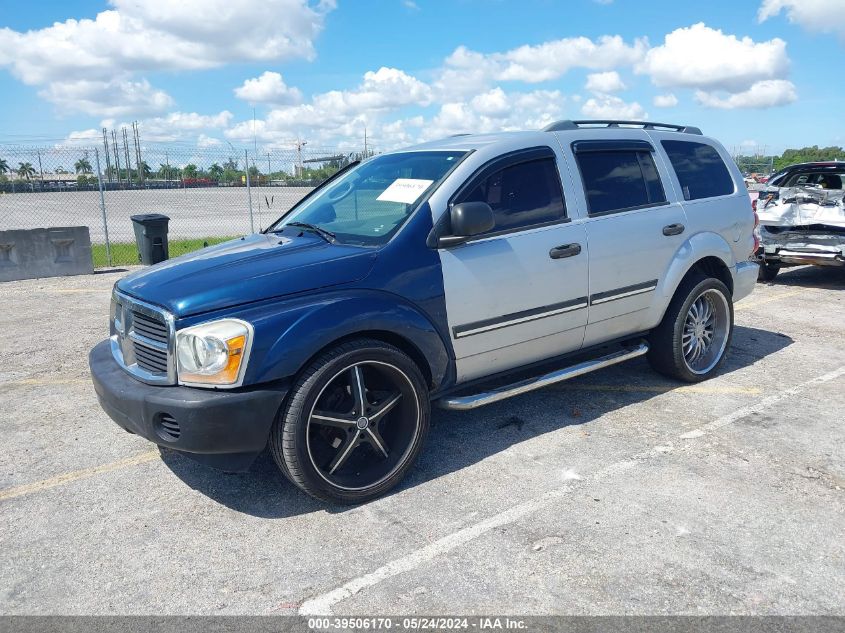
(116, 154)
(365, 141)
(126, 156)
(299, 145)
(41, 170)
(268, 168)
(136, 139)
(249, 192)
(106, 154)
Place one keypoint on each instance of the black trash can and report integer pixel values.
(151, 237)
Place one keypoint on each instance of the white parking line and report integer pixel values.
(322, 604)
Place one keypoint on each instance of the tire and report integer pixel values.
(353, 423)
(767, 272)
(683, 328)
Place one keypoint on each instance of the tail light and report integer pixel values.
(756, 231)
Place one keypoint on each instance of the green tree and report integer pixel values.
(83, 166)
(215, 171)
(189, 171)
(145, 168)
(4, 167)
(25, 170)
(808, 155)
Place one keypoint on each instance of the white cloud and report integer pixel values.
(466, 72)
(665, 101)
(763, 94)
(208, 141)
(108, 98)
(136, 37)
(611, 107)
(269, 87)
(411, 5)
(823, 16)
(496, 110)
(380, 91)
(705, 58)
(605, 83)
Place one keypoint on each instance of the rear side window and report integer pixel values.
(521, 195)
(619, 180)
(701, 171)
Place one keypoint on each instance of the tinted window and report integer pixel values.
(701, 171)
(521, 195)
(617, 180)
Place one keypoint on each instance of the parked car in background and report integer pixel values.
(802, 218)
(461, 272)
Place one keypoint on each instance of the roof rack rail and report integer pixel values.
(559, 126)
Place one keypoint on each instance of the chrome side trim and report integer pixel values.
(464, 403)
(621, 293)
(518, 317)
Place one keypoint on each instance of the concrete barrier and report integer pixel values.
(55, 252)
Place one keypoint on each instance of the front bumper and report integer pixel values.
(225, 429)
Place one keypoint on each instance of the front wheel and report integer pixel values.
(691, 341)
(354, 422)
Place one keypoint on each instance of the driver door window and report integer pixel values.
(522, 195)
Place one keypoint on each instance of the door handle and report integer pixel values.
(567, 250)
(673, 229)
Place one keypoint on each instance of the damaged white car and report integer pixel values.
(802, 218)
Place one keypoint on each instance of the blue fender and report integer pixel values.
(289, 333)
(697, 247)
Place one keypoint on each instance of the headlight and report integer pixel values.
(214, 353)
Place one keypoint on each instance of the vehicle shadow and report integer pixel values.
(459, 439)
(826, 277)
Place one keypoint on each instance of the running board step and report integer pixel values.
(464, 403)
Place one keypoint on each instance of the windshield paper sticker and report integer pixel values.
(405, 190)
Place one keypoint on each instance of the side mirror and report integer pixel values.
(468, 219)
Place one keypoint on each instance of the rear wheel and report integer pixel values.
(691, 341)
(767, 272)
(354, 422)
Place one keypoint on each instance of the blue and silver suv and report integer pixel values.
(460, 272)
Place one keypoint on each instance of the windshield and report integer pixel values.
(368, 204)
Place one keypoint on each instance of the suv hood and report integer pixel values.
(252, 268)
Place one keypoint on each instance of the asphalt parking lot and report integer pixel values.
(616, 493)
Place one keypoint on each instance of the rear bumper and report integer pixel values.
(803, 257)
(225, 429)
(745, 278)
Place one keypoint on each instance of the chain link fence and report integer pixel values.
(210, 194)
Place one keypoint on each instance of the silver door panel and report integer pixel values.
(504, 293)
(523, 353)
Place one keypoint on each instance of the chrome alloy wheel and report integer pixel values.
(706, 330)
(364, 423)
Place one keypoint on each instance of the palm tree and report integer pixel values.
(4, 166)
(25, 170)
(189, 171)
(83, 166)
(145, 168)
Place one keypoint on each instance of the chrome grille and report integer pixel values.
(149, 327)
(142, 339)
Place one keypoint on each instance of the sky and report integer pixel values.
(759, 75)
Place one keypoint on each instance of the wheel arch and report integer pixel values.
(703, 253)
(366, 315)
